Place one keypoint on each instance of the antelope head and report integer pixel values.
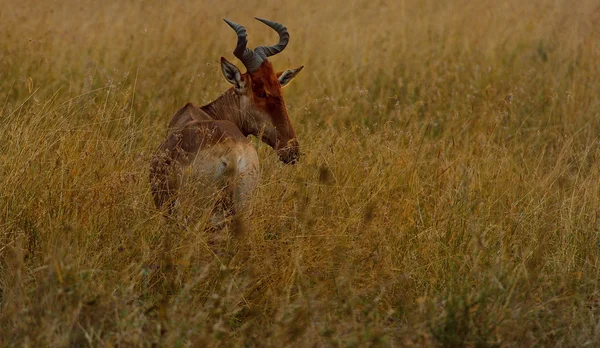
(260, 92)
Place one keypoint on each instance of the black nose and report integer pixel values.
(290, 154)
(290, 157)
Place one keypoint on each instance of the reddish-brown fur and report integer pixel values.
(267, 95)
(226, 121)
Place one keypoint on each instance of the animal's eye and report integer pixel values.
(261, 94)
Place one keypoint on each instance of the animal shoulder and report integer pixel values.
(190, 135)
(188, 113)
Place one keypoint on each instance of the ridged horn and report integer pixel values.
(284, 38)
(249, 58)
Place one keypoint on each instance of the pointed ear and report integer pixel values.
(232, 74)
(287, 76)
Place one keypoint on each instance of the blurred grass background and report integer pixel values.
(448, 193)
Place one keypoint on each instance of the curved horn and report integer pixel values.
(249, 58)
(284, 38)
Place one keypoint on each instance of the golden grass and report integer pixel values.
(448, 193)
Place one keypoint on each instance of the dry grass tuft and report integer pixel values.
(448, 194)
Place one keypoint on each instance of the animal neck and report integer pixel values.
(234, 108)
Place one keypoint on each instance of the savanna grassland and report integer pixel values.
(448, 191)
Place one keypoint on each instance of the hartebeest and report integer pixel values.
(209, 144)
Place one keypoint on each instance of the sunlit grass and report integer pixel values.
(447, 194)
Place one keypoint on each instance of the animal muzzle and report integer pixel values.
(290, 153)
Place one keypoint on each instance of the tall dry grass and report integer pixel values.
(448, 193)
